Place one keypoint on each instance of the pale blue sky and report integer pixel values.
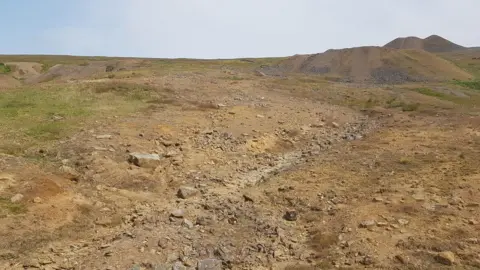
(225, 28)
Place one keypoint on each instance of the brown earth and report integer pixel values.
(383, 65)
(24, 70)
(433, 44)
(253, 171)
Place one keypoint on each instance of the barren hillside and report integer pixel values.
(376, 64)
(433, 43)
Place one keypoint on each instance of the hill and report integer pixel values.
(377, 64)
(433, 43)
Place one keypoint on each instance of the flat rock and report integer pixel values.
(145, 160)
(368, 223)
(186, 192)
(16, 198)
(209, 264)
(178, 213)
(105, 136)
(446, 257)
(290, 215)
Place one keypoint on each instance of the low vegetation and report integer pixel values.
(4, 68)
(33, 116)
(475, 85)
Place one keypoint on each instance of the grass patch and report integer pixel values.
(8, 208)
(475, 85)
(4, 69)
(32, 117)
(429, 92)
(405, 106)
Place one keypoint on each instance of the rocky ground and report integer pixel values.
(248, 175)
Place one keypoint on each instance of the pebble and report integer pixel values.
(367, 223)
(186, 192)
(37, 200)
(187, 223)
(335, 125)
(402, 221)
(106, 136)
(178, 213)
(16, 198)
(290, 215)
(209, 264)
(378, 199)
(446, 257)
(472, 221)
(179, 266)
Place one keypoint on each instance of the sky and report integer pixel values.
(225, 28)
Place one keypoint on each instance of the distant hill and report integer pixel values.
(376, 64)
(433, 43)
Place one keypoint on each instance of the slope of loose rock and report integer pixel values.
(433, 43)
(376, 64)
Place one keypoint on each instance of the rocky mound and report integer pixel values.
(24, 70)
(432, 43)
(376, 64)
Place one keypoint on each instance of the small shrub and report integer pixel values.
(4, 68)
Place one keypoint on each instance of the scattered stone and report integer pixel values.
(221, 105)
(247, 198)
(145, 160)
(37, 200)
(167, 143)
(402, 258)
(367, 223)
(473, 240)
(103, 221)
(209, 264)
(472, 205)
(179, 266)
(335, 125)
(186, 192)
(455, 201)
(187, 223)
(402, 221)
(171, 153)
(472, 221)
(291, 215)
(419, 197)
(446, 257)
(382, 224)
(367, 260)
(162, 243)
(178, 213)
(106, 136)
(16, 198)
(378, 199)
(260, 116)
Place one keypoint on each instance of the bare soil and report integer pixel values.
(254, 172)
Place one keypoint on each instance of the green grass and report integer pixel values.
(430, 92)
(4, 68)
(475, 85)
(7, 207)
(27, 115)
(405, 106)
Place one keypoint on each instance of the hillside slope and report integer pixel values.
(381, 65)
